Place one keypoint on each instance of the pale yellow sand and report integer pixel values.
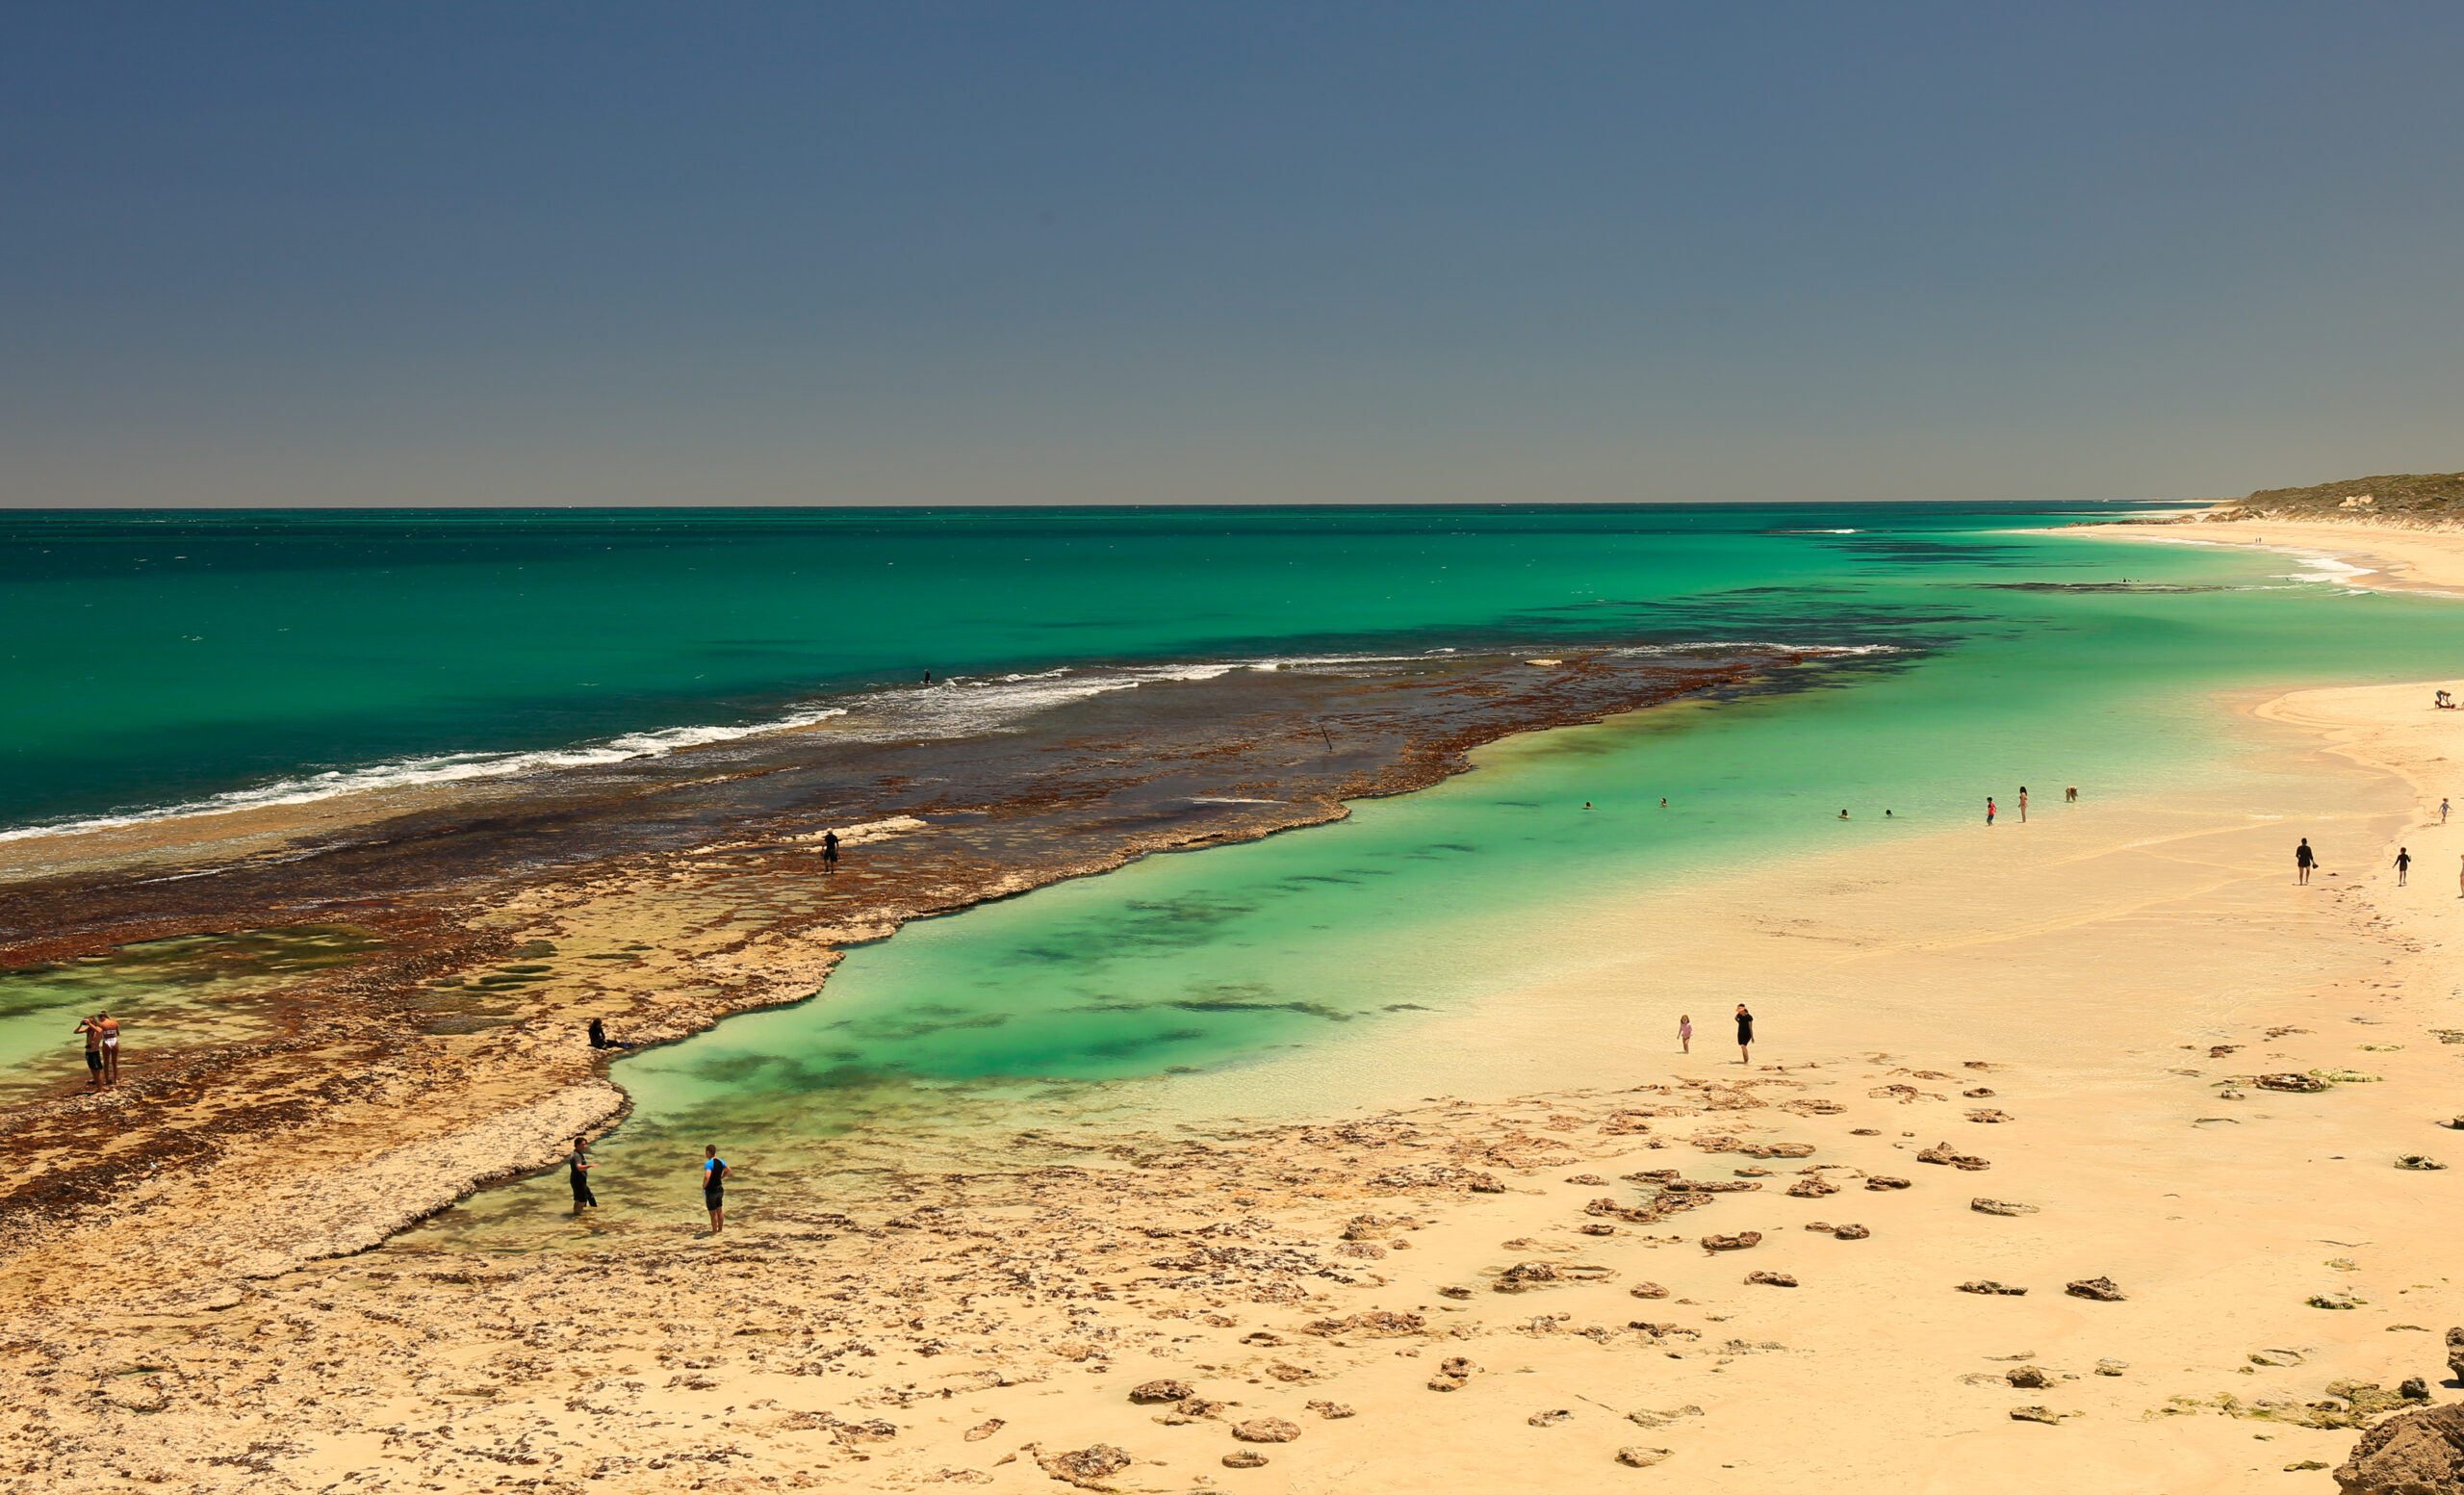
(2087, 960)
(2395, 559)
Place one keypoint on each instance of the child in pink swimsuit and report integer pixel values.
(1685, 1032)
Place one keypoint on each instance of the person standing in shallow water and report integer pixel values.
(2303, 860)
(1744, 1035)
(2403, 866)
(1989, 810)
(578, 1168)
(714, 1192)
(1685, 1033)
(2023, 804)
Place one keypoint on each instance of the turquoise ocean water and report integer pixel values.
(167, 659)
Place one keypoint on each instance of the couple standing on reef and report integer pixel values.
(102, 1050)
(1744, 1033)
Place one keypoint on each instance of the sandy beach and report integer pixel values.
(1507, 1288)
(2394, 558)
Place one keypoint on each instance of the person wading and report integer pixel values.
(580, 1167)
(714, 1191)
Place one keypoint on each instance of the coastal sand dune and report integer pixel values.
(2028, 1058)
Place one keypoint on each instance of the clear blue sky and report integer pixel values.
(1157, 253)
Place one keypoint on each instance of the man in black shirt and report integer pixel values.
(579, 1167)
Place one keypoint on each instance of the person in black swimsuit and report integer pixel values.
(92, 1027)
(714, 1192)
(1744, 1035)
(830, 851)
(578, 1168)
(2303, 860)
(599, 1038)
(2403, 864)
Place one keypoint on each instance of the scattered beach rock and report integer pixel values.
(985, 1428)
(1647, 1290)
(1645, 1417)
(1641, 1457)
(1266, 1429)
(1331, 1412)
(1988, 1115)
(1453, 1292)
(1944, 1153)
(1194, 1409)
(1592, 1180)
(2112, 1367)
(1377, 1323)
(2036, 1414)
(1550, 1419)
(2456, 1353)
(1162, 1391)
(2344, 1076)
(1866, 1131)
(1852, 1233)
(2420, 1163)
(2280, 1360)
(2414, 1453)
(1597, 1227)
(1733, 1243)
(1978, 1093)
(1812, 1188)
(2000, 1207)
(2301, 1084)
(1989, 1286)
(1823, 1226)
(1085, 1467)
(2334, 1300)
(1453, 1373)
(1771, 1149)
(2095, 1289)
(1245, 1459)
(1771, 1279)
(2028, 1377)
(1883, 1182)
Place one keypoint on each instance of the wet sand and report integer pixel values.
(1493, 1290)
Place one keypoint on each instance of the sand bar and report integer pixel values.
(2395, 558)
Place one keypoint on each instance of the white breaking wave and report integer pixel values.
(958, 707)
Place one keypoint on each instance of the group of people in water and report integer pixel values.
(712, 1174)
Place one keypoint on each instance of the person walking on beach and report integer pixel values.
(2070, 795)
(830, 851)
(2023, 804)
(578, 1168)
(110, 1026)
(1744, 1035)
(1989, 810)
(2303, 860)
(93, 1051)
(714, 1192)
(2403, 866)
(2442, 811)
(1685, 1033)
